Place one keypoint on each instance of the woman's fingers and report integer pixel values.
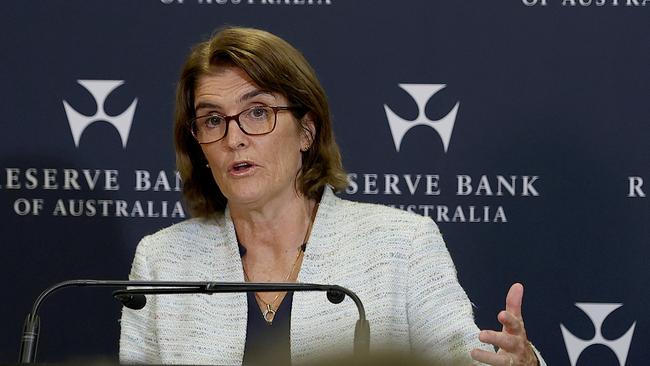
(491, 358)
(511, 324)
(514, 299)
(512, 341)
(504, 341)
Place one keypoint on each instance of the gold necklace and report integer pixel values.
(271, 309)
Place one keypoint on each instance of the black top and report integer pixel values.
(267, 344)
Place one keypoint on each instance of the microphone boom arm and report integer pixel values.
(29, 339)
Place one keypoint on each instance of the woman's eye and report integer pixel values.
(258, 112)
(213, 121)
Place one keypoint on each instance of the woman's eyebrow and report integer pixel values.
(250, 95)
(205, 105)
(254, 93)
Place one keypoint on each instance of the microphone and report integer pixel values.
(134, 302)
(335, 294)
(133, 298)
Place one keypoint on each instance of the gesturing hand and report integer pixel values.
(514, 348)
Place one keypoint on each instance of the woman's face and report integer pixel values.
(249, 170)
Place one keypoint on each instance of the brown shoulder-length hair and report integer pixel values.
(276, 66)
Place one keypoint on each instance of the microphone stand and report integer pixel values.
(134, 298)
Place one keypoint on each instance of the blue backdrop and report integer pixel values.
(521, 127)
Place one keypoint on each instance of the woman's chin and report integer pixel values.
(245, 198)
(254, 198)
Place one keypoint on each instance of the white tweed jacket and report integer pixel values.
(395, 261)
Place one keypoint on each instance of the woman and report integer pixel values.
(259, 164)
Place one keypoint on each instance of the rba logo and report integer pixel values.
(597, 312)
(100, 90)
(421, 93)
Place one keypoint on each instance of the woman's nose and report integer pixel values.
(235, 136)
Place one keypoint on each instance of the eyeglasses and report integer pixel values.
(254, 121)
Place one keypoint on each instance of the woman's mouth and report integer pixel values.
(241, 168)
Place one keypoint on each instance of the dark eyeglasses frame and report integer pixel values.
(236, 118)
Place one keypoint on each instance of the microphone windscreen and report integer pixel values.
(135, 302)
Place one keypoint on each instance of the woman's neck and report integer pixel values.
(278, 227)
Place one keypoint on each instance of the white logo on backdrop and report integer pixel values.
(597, 312)
(421, 93)
(100, 90)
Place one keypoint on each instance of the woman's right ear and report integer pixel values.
(308, 132)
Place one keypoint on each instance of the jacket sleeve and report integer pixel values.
(138, 336)
(441, 320)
